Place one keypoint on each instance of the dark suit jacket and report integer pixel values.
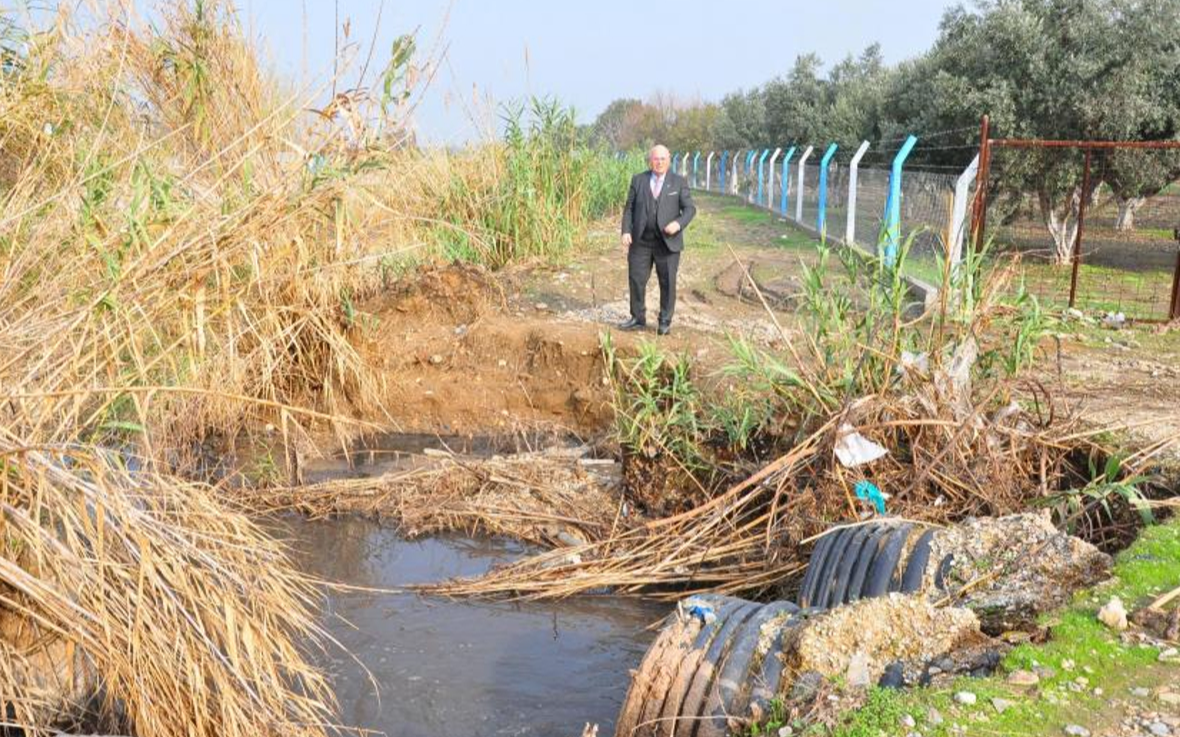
(675, 203)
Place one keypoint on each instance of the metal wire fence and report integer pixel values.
(851, 204)
(1092, 225)
(1089, 226)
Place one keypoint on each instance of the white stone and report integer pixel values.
(858, 674)
(1002, 705)
(966, 698)
(1076, 730)
(1113, 614)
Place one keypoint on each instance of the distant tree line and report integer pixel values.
(1069, 69)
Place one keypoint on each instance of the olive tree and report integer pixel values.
(1072, 69)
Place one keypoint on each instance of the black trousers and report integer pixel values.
(641, 256)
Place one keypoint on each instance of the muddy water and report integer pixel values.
(463, 668)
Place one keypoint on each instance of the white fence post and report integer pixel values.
(799, 189)
(770, 179)
(850, 226)
(733, 180)
(959, 211)
(709, 170)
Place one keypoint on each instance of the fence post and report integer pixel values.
(673, 167)
(799, 190)
(761, 169)
(770, 179)
(893, 203)
(959, 213)
(821, 211)
(733, 179)
(750, 171)
(721, 172)
(709, 170)
(850, 224)
(786, 181)
(695, 161)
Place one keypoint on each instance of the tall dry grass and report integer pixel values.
(184, 243)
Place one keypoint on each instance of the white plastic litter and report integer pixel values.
(919, 362)
(854, 449)
(1114, 320)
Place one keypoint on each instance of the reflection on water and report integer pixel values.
(382, 453)
(464, 668)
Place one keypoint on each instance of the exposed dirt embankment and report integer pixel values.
(455, 356)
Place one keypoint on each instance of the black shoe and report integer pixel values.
(663, 329)
(633, 324)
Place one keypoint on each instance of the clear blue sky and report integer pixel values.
(589, 53)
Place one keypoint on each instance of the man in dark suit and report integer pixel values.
(659, 207)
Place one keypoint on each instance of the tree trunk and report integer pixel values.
(1062, 221)
(1126, 218)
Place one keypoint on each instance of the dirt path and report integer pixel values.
(1126, 378)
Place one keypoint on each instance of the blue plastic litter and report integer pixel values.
(868, 491)
(701, 611)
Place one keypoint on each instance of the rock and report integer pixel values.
(436, 359)
(1023, 678)
(908, 721)
(1171, 698)
(786, 731)
(806, 686)
(1140, 692)
(1159, 729)
(1067, 664)
(1113, 614)
(1169, 654)
(1076, 730)
(934, 716)
(886, 629)
(1038, 567)
(1044, 672)
(858, 675)
(541, 306)
(893, 677)
(1002, 705)
(966, 698)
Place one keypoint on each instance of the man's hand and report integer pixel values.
(672, 228)
(626, 240)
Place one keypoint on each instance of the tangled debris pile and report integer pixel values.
(559, 497)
